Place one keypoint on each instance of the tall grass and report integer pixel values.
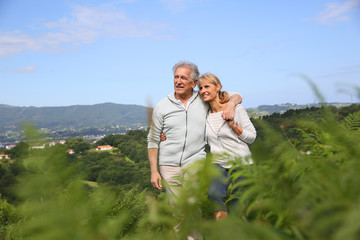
(292, 192)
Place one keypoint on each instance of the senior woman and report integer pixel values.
(228, 140)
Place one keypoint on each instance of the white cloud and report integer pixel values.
(336, 11)
(84, 25)
(13, 42)
(29, 69)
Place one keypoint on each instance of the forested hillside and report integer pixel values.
(77, 116)
(265, 110)
(102, 115)
(303, 185)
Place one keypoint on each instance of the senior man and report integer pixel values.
(181, 117)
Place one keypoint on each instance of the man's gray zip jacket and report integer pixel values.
(184, 130)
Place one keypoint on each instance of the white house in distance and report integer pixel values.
(104, 147)
(4, 156)
(70, 151)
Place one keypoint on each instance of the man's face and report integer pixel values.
(182, 81)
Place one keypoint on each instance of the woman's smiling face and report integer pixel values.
(208, 91)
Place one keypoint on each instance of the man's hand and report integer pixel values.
(228, 112)
(156, 180)
(155, 175)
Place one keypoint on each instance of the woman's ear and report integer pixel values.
(218, 87)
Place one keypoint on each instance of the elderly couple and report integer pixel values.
(188, 119)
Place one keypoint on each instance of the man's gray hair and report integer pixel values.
(194, 69)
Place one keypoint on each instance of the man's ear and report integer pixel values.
(195, 82)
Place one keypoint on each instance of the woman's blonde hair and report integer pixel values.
(212, 79)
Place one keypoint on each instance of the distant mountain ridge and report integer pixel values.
(74, 117)
(104, 114)
(263, 110)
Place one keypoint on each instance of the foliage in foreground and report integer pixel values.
(299, 188)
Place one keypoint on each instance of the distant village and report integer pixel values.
(91, 138)
(5, 157)
(90, 134)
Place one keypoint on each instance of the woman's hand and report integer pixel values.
(162, 137)
(238, 130)
(230, 123)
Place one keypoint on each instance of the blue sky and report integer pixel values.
(61, 53)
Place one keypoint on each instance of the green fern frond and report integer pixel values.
(352, 122)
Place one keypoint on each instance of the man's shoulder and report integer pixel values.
(165, 103)
(239, 107)
(197, 99)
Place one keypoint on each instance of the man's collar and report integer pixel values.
(193, 94)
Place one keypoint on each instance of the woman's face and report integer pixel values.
(208, 91)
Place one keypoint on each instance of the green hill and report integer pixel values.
(264, 110)
(75, 117)
(104, 115)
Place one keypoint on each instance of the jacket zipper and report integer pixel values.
(186, 125)
(186, 130)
